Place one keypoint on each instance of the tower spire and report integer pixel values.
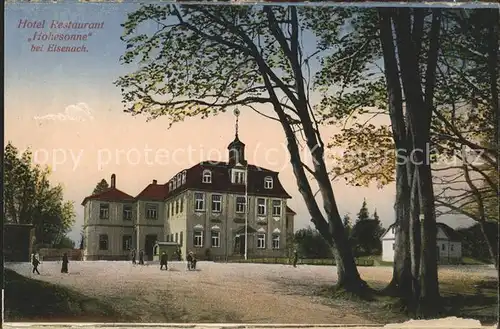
(237, 115)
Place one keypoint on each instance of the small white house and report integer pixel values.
(449, 246)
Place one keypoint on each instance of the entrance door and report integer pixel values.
(236, 244)
(242, 244)
(149, 245)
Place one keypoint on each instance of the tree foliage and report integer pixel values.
(101, 187)
(363, 213)
(366, 232)
(29, 198)
(311, 244)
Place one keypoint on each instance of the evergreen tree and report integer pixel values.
(347, 224)
(82, 240)
(101, 187)
(379, 228)
(363, 213)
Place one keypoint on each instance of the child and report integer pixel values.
(35, 262)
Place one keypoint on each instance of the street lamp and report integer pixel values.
(236, 113)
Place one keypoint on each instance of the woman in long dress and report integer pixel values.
(65, 261)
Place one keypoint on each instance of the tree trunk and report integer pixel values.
(491, 248)
(415, 238)
(401, 279)
(332, 229)
(419, 111)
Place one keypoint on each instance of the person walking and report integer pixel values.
(133, 256)
(295, 257)
(189, 259)
(163, 261)
(35, 262)
(65, 262)
(141, 257)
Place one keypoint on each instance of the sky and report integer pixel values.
(45, 92)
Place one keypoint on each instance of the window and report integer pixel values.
(198, 239)
(172, 237)
(240, 204)
(261, 206)
(183, 180)
(176, 206)
(216, 239)
(276, 241)
(443, 247)
(268, 183)
(179, 180)
(168, 238)
(451, 247)
(151, 211)
(238, 177)
(176, 237)
(181, 238)
(103, 242)
(172, 208)
(127, 242)
(182, 204)
(207, 177)
(393, 246)
(261, 241)
(170, 186)
(216, 203)
(199, 203)
(127, 212)
(104, 211)
(276, 207)
(174, 181)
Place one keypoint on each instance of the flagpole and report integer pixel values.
(246, 212)
(236, 113)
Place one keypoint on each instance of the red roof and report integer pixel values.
(221, 180)
(111, 194)
(153, 192)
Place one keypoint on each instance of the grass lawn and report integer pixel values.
(464, 298)
(472, 261)
(32, 300)
(377, 260)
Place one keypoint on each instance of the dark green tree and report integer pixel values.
(347, 224)
(311, 244)
(366, 233)
(101, 187)
(363, 213)
(29, 198)
(82, 240)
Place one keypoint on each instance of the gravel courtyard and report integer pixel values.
(216, 292)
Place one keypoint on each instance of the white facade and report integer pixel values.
(448, 250)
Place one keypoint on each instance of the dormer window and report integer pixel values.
(207, 176)
(175, 184)
(268, 183)
(238, 176)
(183, 179)
(179, 180)
(170, 186)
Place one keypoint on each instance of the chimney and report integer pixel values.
(155, 181)
(113, 181)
